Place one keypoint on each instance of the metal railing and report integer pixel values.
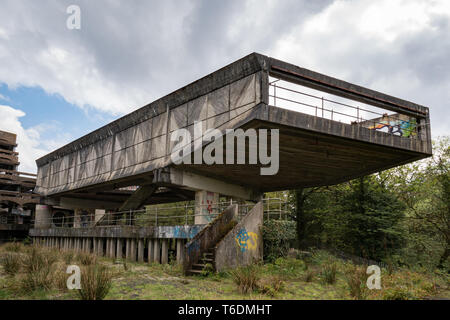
(181, 214)
(319, 106)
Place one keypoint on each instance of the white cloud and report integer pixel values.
(126, 56)
(30, 144)
(396, 47)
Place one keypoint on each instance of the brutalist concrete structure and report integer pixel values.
(314, 149)
(17, 200)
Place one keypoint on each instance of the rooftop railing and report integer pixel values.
(302, 99)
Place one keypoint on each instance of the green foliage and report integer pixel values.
(328, 273)
(277, 235)
(356, 278)
(10, 262)
(96, 281)
(246, 278)
(397, 293)
(38, 267)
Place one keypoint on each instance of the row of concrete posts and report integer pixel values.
(132, 249)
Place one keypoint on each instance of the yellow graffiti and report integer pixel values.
(247, 240)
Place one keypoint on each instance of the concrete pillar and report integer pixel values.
(100, 246)
(107, 247)
(165, 251)
(133, 249)
(112, 248)
(150, 250)
(43, 217)
(127, 249)
(180, 251)
(141, 250)
(205, 206)
(94, 245)
(156, 251)
(119, 249)
(89, 245)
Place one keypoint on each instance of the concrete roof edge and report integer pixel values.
(234, 71)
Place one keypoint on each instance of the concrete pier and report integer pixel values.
(150, 250)
(119, 249)
(156, 251)
(141, 250)
(164, 251)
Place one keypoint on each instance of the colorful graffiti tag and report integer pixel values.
(404, 128)
(246, 240)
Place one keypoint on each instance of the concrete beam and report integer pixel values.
(196, 182)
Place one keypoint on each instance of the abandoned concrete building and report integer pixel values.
(17, 201)
(121, 191)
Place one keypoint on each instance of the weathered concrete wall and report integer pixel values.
(243, 245)
(209, 236)
(170, 232)
(145, 144)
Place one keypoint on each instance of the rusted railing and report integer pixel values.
(181, 214)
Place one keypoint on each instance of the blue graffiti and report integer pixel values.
(194, 246)
(242, 237)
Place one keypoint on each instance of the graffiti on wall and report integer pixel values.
(193, 247)
(404, 128)
(246, 240)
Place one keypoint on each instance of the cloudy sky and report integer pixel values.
(58, 84)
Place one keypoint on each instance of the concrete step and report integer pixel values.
(207, 260)
(196, 271)
(198, 265)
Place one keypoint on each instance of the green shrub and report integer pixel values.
(277, 235)
(356, 278)
(328, 273)
(246, 278)
(96, 282)
(397, 293)
(11, 263)
(271, 286)
(38, 267)
(309, 275)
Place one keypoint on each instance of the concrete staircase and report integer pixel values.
(207, 260)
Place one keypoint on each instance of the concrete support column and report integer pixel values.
(150, 250)
(205, 206)
(127, 249)
(112, 248)
(133, 249)
(89, 245)
(180, 251)
(94, 245)
(165, 251)
(100, 246)
(119, 249)
(141, 250)
(43, 217)
(107, 247)
(156, 251)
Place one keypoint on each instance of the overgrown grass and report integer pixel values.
(11, 262)
(328, 273)
(86, 259)
(95, 282)
(246, 278)
(38, 268)
(356, 278)
(283, 279)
